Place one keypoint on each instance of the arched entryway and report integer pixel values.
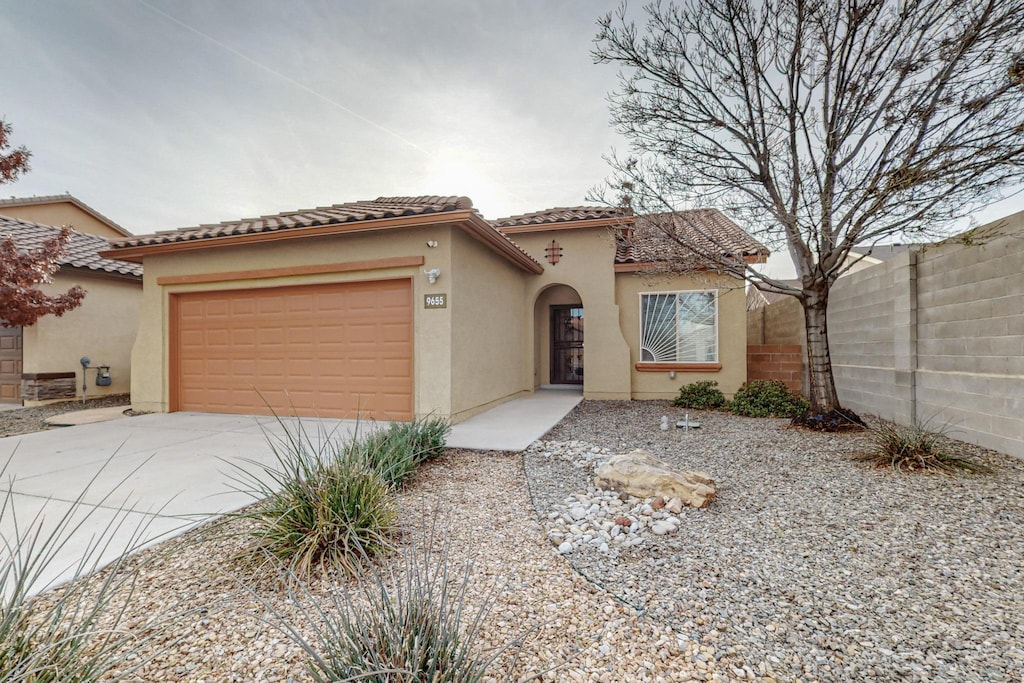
(559, 337)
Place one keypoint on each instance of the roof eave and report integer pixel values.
(637, 266)
(467, 219)
(100, 272)
(136, 253)
(480, 229)
(568, 225)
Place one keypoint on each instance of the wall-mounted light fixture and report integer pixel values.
(432, 244)
(432, 274)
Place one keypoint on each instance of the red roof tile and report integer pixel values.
(82, 249)
(379, 208)
(563, 215)
(709, 230)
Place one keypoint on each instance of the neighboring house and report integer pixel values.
(62, 209)
(41, 363)
(412, 306)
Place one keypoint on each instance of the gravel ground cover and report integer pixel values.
(565, 627)
(807, 566)
(28, 420)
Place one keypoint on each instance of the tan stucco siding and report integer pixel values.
(586, 265)
(59, 214)
(102, 328)
(732, 333)
(487, 304)
(432, 338)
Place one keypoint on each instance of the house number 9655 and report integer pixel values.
(435, 301)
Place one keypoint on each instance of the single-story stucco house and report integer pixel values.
(412, 306)
(40, 363)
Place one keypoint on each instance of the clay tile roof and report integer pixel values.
(563, 215)
(379, 208)
(82, 249)
(55, 198)
(709, 229)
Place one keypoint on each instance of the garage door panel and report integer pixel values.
(242, 307)
(299, 303)
(333, 350)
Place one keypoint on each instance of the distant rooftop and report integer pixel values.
(82, 249)
(57, 198)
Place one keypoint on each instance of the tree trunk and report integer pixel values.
(823, 396)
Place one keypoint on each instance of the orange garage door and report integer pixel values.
(333, 350)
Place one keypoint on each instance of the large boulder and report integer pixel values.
(642, 475)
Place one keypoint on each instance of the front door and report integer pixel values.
(10, 364)
(567, 344)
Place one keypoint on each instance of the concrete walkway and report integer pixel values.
(139, 480)
(514, 425)
(86, 417)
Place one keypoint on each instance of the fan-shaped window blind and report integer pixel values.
(679, 327)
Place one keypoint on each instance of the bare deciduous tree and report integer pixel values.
(821, 124)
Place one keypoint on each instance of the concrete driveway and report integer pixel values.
(140, 480)
(134, 481)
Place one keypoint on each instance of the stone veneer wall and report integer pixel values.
(48, 386)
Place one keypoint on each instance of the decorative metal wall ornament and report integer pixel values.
(554, 252)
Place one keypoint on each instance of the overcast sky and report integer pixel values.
(164, 114)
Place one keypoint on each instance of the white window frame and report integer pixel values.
(676, 293)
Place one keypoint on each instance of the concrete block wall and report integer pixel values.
(939, 335)
(863, 327)
(970, 336)
(779, 323)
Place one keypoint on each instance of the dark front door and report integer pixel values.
(567, 344)
(10, 365)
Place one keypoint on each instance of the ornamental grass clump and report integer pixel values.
(328, 498)
(917, 448)
(322, 504)
(396, 451)
(767, 398)
(702, 395)
(410, 623)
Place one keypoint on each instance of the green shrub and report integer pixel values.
(702, 395)
(767, 398)
(322, 504)
(917, 449)
(409, 624)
